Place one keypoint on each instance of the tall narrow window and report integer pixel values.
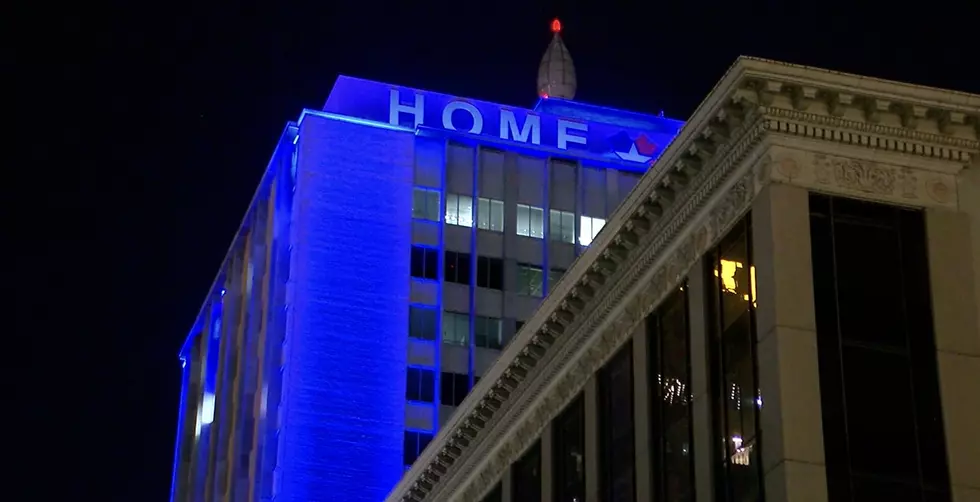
(526, 476)
(415, 443)
(734, 370)
(616, 464)
(562, 226)
(420, 385)
(455, 328)
(459, 210)
(488, 332)
(882, 416)
(670, 400)
(495, 495)
(529, 280)
(457, 267)
(589, 228)
(553, 276)
(425, 263)
(455, 386)
(568, 432)
(530, 221)
(425, 204)
(490, 215)
(489, 272)
(422, 323)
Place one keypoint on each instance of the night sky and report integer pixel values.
(159, 120)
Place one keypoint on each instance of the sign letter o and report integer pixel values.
(447, 116)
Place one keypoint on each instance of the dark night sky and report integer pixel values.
(159, 121)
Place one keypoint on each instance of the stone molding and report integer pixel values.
(702, 184)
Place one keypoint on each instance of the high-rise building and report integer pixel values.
(397, 241)
(785, 308)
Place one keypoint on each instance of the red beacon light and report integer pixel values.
(556, 26)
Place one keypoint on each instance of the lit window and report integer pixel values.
(589, 228)
(425, 204)
(530, 221)
(488, 332)
(455, 328)
(529, 280)
(490, 215)
(459, 210)
(562, 226)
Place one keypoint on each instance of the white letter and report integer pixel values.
(564, 138)
(508, 127)
(447, 116)
(395, 107)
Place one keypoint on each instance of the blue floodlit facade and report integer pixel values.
(398, 239)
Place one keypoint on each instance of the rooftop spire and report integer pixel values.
(556, 74)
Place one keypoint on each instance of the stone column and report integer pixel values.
(547, 464)
(700, 393)
(591, 405)
(641, 414)
(792, 430)
(955, 305)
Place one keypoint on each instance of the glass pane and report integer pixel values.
(537, 222)
(497, 216)
(418, 203)
(452, 208)
(554, 225)
(483, 213)
(568, 227)
(523, 220)
(585, 231)
(432, 205)
(465, 213)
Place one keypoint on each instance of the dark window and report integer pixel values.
(489, 272)
(529, 280)
(489, 332)
(454, 388)
(734, 371)
(518, 326)
(420, 385)
(457, 267)
(526, 476)
(425, 263)
(422, 323)
(553, 276)
(415, 443)
(882, 418)
(495, 495)
(569, 456)
(670, 400)
(616, 428)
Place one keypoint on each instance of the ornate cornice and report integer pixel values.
(705, 180)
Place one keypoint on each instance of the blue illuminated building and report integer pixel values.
(396, 242)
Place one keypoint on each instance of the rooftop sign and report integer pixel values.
(598, 137)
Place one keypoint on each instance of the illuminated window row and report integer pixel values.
(490, 216)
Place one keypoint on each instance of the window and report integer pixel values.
(553, 276)
(459, 210)
(457, 267)
(562, 226)
(526, 476)
(520, 324)
(568, 432)
(488, 332)
(529, 280)
(456, 328)
(616, 474)
(530, 221)
(422, 323)
(425, 204)
(489, 272)
(420, 385)
(882, 415)
(415, 443)
(490, 215)
(454, 388)
(425, 263)
(670, 400)
(733, 367)
(588, 229)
